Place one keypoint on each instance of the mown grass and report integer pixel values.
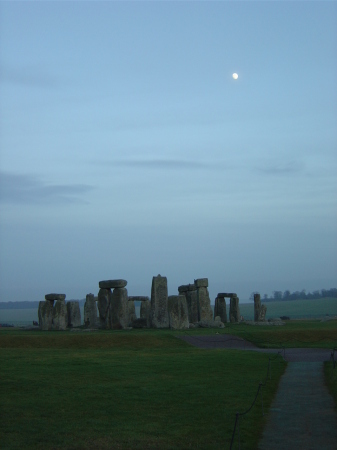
(294, 334)
(142, 389)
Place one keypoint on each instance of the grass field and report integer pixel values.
(126, 390)
(139, 389)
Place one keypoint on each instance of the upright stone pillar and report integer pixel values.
(119, 310)
(74, 314)
(60, 315)
(45, 313)
(220, 308)
(178, 312)
(131, 312)
(103, 304)
(90, 311)
(204, 302)
(257, 307)
(159, 296)
(145, 312)
(234, 310)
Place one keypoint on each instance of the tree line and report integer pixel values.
(278, 296)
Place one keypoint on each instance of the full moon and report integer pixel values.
(235, 76)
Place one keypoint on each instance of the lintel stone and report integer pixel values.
(139, 298)
(52, 297)
(201, 282)
(112, 284)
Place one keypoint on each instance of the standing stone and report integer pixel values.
(192, 303)
(234, 310)
(90, 311)
(60, 315)
(131, 312)
(74, 314)
(159, 311)
(145, 312)
(103, 303)
(204, 302)
(119, 312)
(220, 309)
(178, 312)
(259, 310)
(257, 307)
(45, 313)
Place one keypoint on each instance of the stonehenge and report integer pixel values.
(114, 309)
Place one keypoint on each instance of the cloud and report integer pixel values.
(30, 189)
(281, 168)
(161, 164)
(28, 76)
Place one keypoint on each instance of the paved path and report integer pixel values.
(302, 415)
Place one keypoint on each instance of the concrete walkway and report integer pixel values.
(302, 415)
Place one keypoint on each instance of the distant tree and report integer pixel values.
(277, 295)
(251, 297)
(286, 295)
(265, 297)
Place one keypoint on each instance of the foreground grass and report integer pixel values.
(330, 373)
(294, 334)
(122, 390)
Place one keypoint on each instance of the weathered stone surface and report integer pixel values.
(220, 309)
(90, 311)
(145, 312)
(178, 312)
(201, 282)
(139, 298)
(74, 314)
(183, 288)
(257, 306)
(192, 287)
(112, 284)
(211, 324)
(159, 311)
(204, 304)
(45, 314)
(226, 295)
(234, 310)
(60, 315)
(103, 304)
(131, 312)
(55, 297)
(192, 305)
(119, 311)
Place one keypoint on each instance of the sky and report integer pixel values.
(127, 149)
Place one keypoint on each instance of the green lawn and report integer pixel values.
(141, 389)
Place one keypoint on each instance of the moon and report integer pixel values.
(235, 76)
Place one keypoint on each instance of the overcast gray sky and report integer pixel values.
(128, 149)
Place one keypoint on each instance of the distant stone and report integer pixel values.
(103, 304)
(226, 295)
(74, 314)
(220, 309)
(178, 312)
(159, 310)
(204, 303)
(131, 311)
(139, 298)
(201, 282)
(45, 315)
(183, 288)
(234, 310)
(211, 324)
(145, 312)
(119, 311)
(90, 311)
(60, 315)
(192, 305)
(112, 284)
(52, 297)
(192, 287)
